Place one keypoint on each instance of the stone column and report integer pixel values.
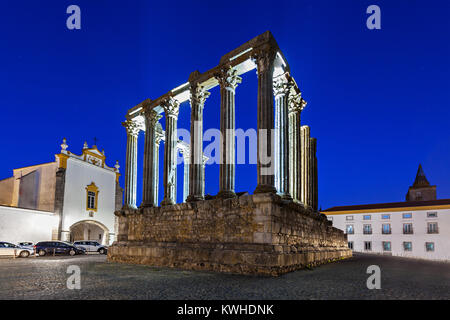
(305, 165)
(282, 173)
(228, 80)
(310, 160)
(131, 164)
(159, 138)
(196, 170)
(314, 175)
(149, 181)
(186, 160)
(264, 61)
(296, 105)
(171, 108)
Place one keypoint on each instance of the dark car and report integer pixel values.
(57, 247)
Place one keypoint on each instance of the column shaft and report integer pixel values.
(314, 173)
(171, 108)
(131, 164)
(186, 159)
(282, 172)
(265, 164)
(305, 165)
(296, 105)
(149, 172)
(196, 169)
(156, 170)
(228, 80)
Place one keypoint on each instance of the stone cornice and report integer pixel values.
(240, 59)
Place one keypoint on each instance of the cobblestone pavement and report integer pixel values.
(46, 277)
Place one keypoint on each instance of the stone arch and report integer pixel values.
(89, 230)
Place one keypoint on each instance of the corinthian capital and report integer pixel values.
(198, 94)
(281, 87)
(152, 117)
(171, 107)
(295, 103)
(132, 127)
(228, 78)
(264, 59)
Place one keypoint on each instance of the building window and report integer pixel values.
(418, 195)
(349, 218)
(366, 217)
(431, 214)
(407, 246)
(350, 229)
(407, 215)
(386, 246)
(386, 216)
(386, 229)
(429, 246)
(91, 200)
(432, 227)
(367, 229)
(407, 228)
(350, 245)
(92, 197)
(368, 245)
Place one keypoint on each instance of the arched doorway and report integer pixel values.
(89, 230)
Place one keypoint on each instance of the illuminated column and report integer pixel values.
(264, 61)
(149, 181)
(197, 170)
(171, 108)
(228, 80)
(159, 138)
(281, 147)
(131, 164)
(305, 165)
(296, 105)
(186, 160)
(314, 176)
(205, 160)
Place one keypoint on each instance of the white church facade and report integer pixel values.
(72, 198)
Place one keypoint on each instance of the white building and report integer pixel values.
(72, 198)
(419, 227)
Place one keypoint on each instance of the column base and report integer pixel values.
(265, 188)
(193, 198)
(146, 205)
(226, 194)
(286, 196)
(128, 207)
(167, 202)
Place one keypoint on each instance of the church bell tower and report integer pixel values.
(421, 190)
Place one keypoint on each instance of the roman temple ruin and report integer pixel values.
(276, 229)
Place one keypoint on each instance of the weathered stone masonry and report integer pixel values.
(252, 234)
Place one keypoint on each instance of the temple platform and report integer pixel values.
(258, 234)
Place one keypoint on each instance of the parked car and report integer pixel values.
(28, 245)
(57, 247)
(91, 246)
(9, 249)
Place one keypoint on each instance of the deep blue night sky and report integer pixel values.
(378, 100)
